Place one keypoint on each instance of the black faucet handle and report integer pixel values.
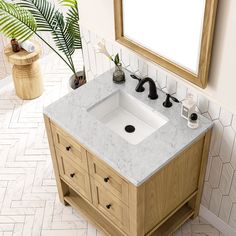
(174, 99)
(167, 103)
(141, 89)
(135, 77)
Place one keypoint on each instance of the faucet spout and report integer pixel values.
(152, 87)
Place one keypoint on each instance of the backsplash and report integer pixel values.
(219, 194)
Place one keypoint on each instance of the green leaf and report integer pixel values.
(72, 21)
(16, 22)
(65, 31)
(44, 13)
(62, 37)
(117, 59)
(68, 3)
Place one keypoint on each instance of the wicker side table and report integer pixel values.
(26, 72)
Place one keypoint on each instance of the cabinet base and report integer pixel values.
(95, 217)
(156, 208)
(174, 222)
(92, 214)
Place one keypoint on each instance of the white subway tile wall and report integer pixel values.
(219, 194)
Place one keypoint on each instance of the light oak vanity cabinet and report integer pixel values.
(157, 207)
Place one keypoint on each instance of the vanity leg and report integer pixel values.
(61, 187)
(195, 203)
(137, 209)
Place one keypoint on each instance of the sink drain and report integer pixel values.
(129, 128)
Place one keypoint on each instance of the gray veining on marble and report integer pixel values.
(136, 163)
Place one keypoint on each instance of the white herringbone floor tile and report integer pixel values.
(29, 204)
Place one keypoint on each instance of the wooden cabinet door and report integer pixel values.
(70, 147)
(74, 175)
(108, 178)
(110, 206)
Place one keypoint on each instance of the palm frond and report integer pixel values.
(73, 28)
(44, 13)
(64, 32)
(50, 19)
(68, 3)
(62, 37)
(72, 21)
(16, 22)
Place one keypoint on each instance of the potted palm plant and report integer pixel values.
(29, 17)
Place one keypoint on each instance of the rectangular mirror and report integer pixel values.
(176, 34)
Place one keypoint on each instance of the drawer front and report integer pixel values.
(74, 174)
(108, 178)
(72, 149)
(110, 206)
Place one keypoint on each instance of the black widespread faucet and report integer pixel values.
(153, 90)
(152, 87)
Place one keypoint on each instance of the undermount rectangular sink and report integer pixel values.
(127, 116)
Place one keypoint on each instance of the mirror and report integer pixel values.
(176, 34)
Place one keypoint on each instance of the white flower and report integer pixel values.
(101, 48)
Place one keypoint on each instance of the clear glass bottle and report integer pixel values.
(188, 106)
(193, 121)
(118, 75)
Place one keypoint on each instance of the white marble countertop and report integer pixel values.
(136, 163)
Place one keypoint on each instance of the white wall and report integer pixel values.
(222, 81)
(98, 17)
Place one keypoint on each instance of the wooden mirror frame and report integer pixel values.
(201, 78)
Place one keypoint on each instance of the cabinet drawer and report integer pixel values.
(110, 205)
(72, 149)
(108, 178)
(74, 174)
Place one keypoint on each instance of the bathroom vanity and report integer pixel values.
(133, 184)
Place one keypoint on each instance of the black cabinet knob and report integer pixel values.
(108, 206)
(72, 175)
(106, 179)
(68, 148)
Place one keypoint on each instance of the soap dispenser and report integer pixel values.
(188, 106)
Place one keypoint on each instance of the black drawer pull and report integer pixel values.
(108, 206)
(72, 175)
(68, 148)
(106, 179)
